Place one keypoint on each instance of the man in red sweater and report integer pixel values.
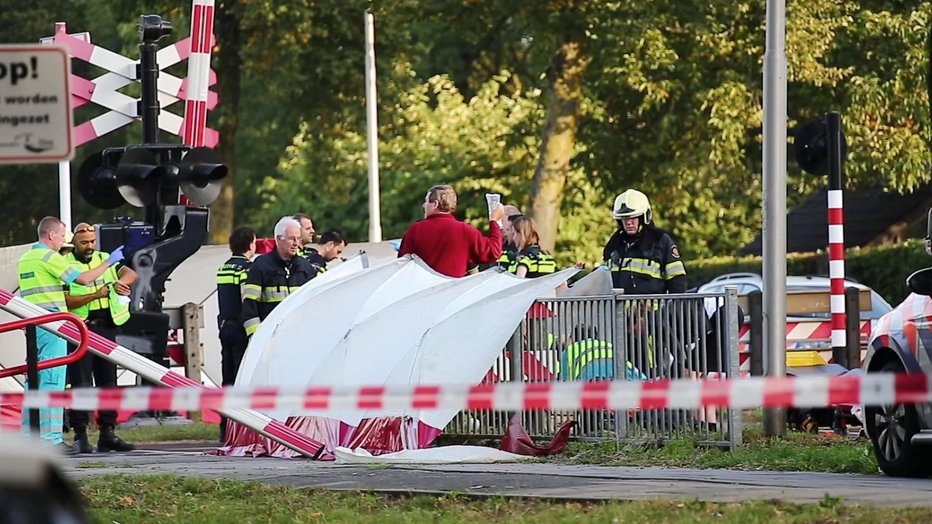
(445, 243)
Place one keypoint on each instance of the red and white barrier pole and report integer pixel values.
(195, 109)
(836, 237)
(147, 369)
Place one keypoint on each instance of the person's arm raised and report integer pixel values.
(92, 274)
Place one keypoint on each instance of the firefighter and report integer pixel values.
(103, 305)
(41, 273)
(231, 277)
(530, 260)
(329, 247)
(643, 258)
(275, 275)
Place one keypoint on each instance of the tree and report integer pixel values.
(558, 144)
(430, 135)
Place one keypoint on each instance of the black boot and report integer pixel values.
(81, 444)
(108, 441)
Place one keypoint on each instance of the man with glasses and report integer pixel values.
(42, 273)
(104, 306)
(275, 275)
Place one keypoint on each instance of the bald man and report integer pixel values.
(103, 305)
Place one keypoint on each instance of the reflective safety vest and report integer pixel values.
(592, 359)
(509, 254)
(230, 277)
(537, 262)
(118, 308)
(42, 274)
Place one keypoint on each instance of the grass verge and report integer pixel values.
(795, 452)
(174, 499)
(197, 431)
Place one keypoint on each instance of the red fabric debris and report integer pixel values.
(516, 439)
(264, 245)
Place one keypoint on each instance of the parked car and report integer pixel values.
(748, 282)
(902, 342)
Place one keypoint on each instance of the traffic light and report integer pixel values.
(811, 148)
(150, 175)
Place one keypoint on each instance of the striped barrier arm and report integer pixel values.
(150, 370)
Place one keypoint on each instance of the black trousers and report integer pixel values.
(93, 370)
(233, 342)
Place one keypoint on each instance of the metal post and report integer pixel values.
(775, 203)
(853, 327)
(193, 349)
(149, 103)
(735, 427)
(64, 194)
(755, 310)
(32, 372)
(516, 370)
(621, 354)
(372, 135)
(515, 357)
(836, 237)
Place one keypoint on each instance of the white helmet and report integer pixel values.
(632, 203)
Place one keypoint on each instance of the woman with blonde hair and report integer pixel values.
(531, 261)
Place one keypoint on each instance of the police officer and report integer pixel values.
(329, 247)
(103, 305)
(530, 261)
(42, 272)
(643, 258)
(275, 275)
(230, 279)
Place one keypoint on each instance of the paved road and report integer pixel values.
(529, 480)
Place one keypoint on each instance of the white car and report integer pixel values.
(748, 282)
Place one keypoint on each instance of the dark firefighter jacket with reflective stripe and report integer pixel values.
(230, 278)
(269, 281)
(318, 264)
(537, 262)
(645, 264)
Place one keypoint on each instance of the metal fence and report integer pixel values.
(620, 337)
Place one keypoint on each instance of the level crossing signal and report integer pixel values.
(150, 174)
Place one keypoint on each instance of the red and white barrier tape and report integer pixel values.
(799, 392)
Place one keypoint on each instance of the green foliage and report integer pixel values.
(883, 268)
(431, 135)
(671, 105)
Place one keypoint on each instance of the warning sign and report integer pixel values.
(35, 104)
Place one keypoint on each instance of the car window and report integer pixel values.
(879, 306)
